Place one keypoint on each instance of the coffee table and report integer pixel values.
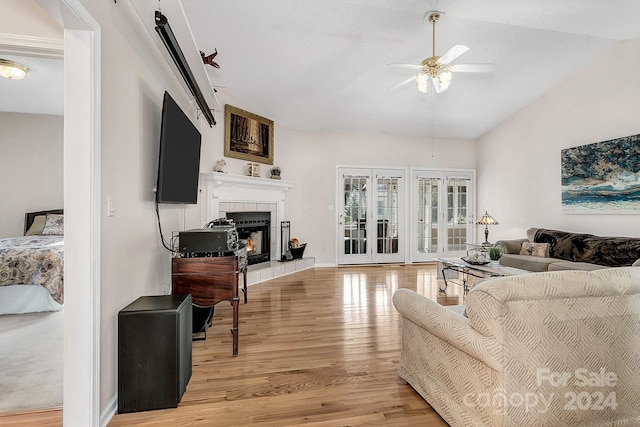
(466, 270)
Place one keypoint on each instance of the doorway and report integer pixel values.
(82, 129)
(442, 213)
(371, 215)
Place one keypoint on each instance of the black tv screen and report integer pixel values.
(179, 165)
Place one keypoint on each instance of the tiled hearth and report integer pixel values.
(224, 193)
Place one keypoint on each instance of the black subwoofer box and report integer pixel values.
(154, 352)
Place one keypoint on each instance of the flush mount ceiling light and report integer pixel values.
(436, 68)
(12, 70)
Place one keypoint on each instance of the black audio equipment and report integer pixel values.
(212, 241)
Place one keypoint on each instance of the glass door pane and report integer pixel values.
(427, 215)
(457, 213)
(353, 243)
(355, 213)
(387, 219)
(389, 216)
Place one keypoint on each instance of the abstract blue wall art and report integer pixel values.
(602, 178)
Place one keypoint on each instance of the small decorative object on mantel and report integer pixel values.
(253, 169)
(275, 172)
(219, 165)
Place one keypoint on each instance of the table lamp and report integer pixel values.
(487, 220)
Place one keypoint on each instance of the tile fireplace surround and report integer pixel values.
(222, 193)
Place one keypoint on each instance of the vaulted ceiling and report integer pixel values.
(323, 64)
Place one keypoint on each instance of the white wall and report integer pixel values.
(519, 178)
(309, 159)
(30, 167)
(134, 76)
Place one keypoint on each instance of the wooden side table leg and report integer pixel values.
(234, 330)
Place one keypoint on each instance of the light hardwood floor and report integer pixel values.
(319, 348)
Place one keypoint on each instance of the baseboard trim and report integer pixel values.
(110, 411)
(326, 265)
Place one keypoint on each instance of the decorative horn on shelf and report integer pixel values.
(171, 43)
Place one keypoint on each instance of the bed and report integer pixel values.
(36, 259)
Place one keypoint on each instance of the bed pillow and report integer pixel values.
(36, 226)
(54, 225)
(535, 249)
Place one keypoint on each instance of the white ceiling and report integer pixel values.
(40, 92)
(322, 64)
(29, 35)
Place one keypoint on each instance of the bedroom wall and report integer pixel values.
(309, 159)
(519, 178)
(31, 167)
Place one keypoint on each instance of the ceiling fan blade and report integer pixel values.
(472, 68)
(412, 66)
(437, 87)
(402, 83)
(452, 54)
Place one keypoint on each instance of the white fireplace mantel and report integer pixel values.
(225, 180)
(222, 193)
(222, 187)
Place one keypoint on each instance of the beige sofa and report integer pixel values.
(570, 251)
(541, 349)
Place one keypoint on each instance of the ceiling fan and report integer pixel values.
(436, 68)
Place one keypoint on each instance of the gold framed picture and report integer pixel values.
(247, 136)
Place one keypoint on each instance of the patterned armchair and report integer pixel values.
(542, 349)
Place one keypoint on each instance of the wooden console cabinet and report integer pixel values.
(209, 280)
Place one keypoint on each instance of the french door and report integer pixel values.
(371, 215)
(441, 213)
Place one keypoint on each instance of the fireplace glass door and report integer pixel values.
(255, 231)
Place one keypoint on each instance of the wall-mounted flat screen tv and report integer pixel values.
(179, 165)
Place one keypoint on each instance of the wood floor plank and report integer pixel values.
(44, 418)
(319, 347)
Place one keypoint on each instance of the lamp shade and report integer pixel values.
(487, 219)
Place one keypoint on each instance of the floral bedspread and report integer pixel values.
(34, 260)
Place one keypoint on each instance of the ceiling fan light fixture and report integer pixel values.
(12, 70)
(444, 78)
(436, 68)
(422, 82)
